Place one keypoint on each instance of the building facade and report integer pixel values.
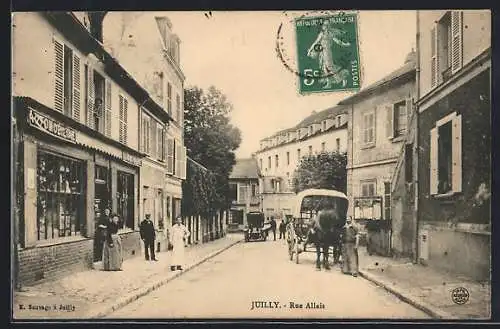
(377, 125)
(280, 154)
(77, 120)
(154, 61)
(454, 141)
(244, 184)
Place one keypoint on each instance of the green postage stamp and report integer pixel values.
(327, 53)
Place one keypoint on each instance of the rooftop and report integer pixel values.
(245, 168)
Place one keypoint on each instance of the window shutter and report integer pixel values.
(90, 98)
(121, 117)
(107, 113)
(77, 78)
(434, 161)
(456, 150)
(184, 163)
(59, 76)
(434, 57)
(178, 158)
(456, 40)
(389, 110)
(125, 120)
(170, 155)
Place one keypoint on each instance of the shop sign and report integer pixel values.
(133, 160)
(50, 126)
(368, 207)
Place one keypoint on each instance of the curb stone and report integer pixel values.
(412, 300)
(120, 303)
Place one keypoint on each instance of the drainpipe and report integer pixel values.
(416, 211)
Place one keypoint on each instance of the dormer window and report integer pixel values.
(324, 124)
(339, 120)
(311, 129)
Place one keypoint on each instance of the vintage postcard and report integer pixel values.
(264, 165)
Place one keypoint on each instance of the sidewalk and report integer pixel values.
(426, 288)
(95, 293)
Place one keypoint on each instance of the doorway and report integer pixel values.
(101, 202)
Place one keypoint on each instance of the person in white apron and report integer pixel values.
(178, 235)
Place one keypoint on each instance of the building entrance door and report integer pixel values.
(101, 202)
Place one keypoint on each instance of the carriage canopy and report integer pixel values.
(310, 201)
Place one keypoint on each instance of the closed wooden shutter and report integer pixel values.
(434, 57)
(90, 98)
(184, 163)
(108, 109)
(456, 151)
(77, 78)
(170, 155)
(58, 76)
(433, 161)
(123, 115)
(456, 40)
(178, 158)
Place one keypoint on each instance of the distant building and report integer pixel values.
(452, 144)
(377, 125)
(245, 192)
(280, 154)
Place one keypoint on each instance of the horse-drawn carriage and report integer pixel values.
(256, 230)
(318, 218)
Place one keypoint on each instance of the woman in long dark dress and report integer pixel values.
(112, 258)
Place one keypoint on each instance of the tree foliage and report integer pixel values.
(324, 170)
(210, 140)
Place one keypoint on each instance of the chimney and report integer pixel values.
(96, 18)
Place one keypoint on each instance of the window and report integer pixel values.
(269, 162)
(260, 164)
(324, 125)
(323, 147)
(146, 133)
(169, 98)
(446, 46)
(446, 155)
(288, 158)
(310, 150)
(311, 130)
(339, 120)
(337, 144)
(400, 119)
(123, 116)
(254, 190)
(369, 128)
(242, 193)
(298, 154)
(67, 92)
(298, 134)
(60, 198)
(233, 191)
(276, 161)
(387, 200)
(368, 188)
(99, 90)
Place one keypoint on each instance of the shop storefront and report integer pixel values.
(69, 176)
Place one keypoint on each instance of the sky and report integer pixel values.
(235, 52)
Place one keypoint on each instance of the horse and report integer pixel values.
(325, 231)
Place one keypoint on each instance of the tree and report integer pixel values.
(325, 170)
(210, 140)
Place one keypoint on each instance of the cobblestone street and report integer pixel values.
(228, 285)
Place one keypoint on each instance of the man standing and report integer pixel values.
(273, 227)
(179, 234)
(350, 243)
(148, 235)
(282, 228)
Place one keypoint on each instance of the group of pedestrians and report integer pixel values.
(112, 253)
